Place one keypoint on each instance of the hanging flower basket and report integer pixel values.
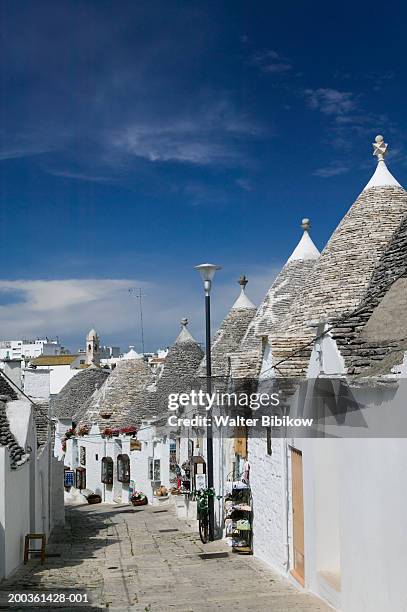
(109, 433)
(83, 430)
(69, 433)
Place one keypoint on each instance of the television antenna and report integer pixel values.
(137, 293)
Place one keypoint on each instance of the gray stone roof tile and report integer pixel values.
(342, 274)
(120, 401)
(17, 454)
(373, 337)
(270, 316)
(70, 400)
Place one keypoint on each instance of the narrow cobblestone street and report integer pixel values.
(142, 559)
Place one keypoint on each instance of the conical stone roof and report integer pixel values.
(122, 393)
(230, 333)
(180, 368)
(373, 339)
(71, 399)
(342, 274)
(17, 454)
(268, 320)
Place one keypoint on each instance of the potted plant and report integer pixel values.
(138, 499)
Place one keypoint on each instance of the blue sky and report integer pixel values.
(138, 139)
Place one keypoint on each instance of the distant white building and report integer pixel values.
(61, 369)
(28, 349)
(109, 352)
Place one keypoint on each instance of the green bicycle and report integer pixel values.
(202, 498)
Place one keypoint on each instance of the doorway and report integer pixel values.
(298, 515)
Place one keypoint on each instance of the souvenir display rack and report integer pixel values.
(238, 518)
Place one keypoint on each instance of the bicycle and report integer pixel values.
(202, 498)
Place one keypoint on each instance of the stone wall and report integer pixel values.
(268, 492)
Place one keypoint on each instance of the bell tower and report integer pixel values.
(92, 348)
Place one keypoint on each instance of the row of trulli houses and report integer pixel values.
(327, 513)
(98, 414)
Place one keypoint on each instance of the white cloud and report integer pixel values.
(69, 308)
(271, 61)
(331, 101)
(208, 135)
(63, 306)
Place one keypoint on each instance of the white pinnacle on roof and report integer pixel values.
(132, 354)
(243, 301)
(184, 335)
(305, 249)
(381, 177)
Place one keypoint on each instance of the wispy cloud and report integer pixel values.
(271, 61)
(14, 145)
(81, 176)
(331, 101)
(245, 184)
(213, 134)
(332, 169)
(346, 119)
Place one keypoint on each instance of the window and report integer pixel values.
(68, 477)
(97, 457)
(123, 468)
(82, 455)
(80, 478)
(154, 469)
(107, 470)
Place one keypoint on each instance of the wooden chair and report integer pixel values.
(28, 550)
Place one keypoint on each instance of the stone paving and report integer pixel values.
(145, 559)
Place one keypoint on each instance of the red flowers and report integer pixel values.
(109, 433)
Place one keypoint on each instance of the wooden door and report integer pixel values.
(298, 515)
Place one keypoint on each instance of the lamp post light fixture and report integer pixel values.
(207, 272)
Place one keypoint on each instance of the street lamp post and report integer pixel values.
(207, 272)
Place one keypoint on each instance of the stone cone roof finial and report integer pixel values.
(305, 249)
(380, 148)
(243, 301)
(243, 281)
(184, 335)
(381, 177)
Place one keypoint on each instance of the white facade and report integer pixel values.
(153, 447)
(37, 383)
(28, 349)
(59, 375)
(31, 498)
(353, 500)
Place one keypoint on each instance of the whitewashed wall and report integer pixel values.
(151, 447)
(14, 513)
(12, 369)
(268, 485)
(374, 525)
(37, 383)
